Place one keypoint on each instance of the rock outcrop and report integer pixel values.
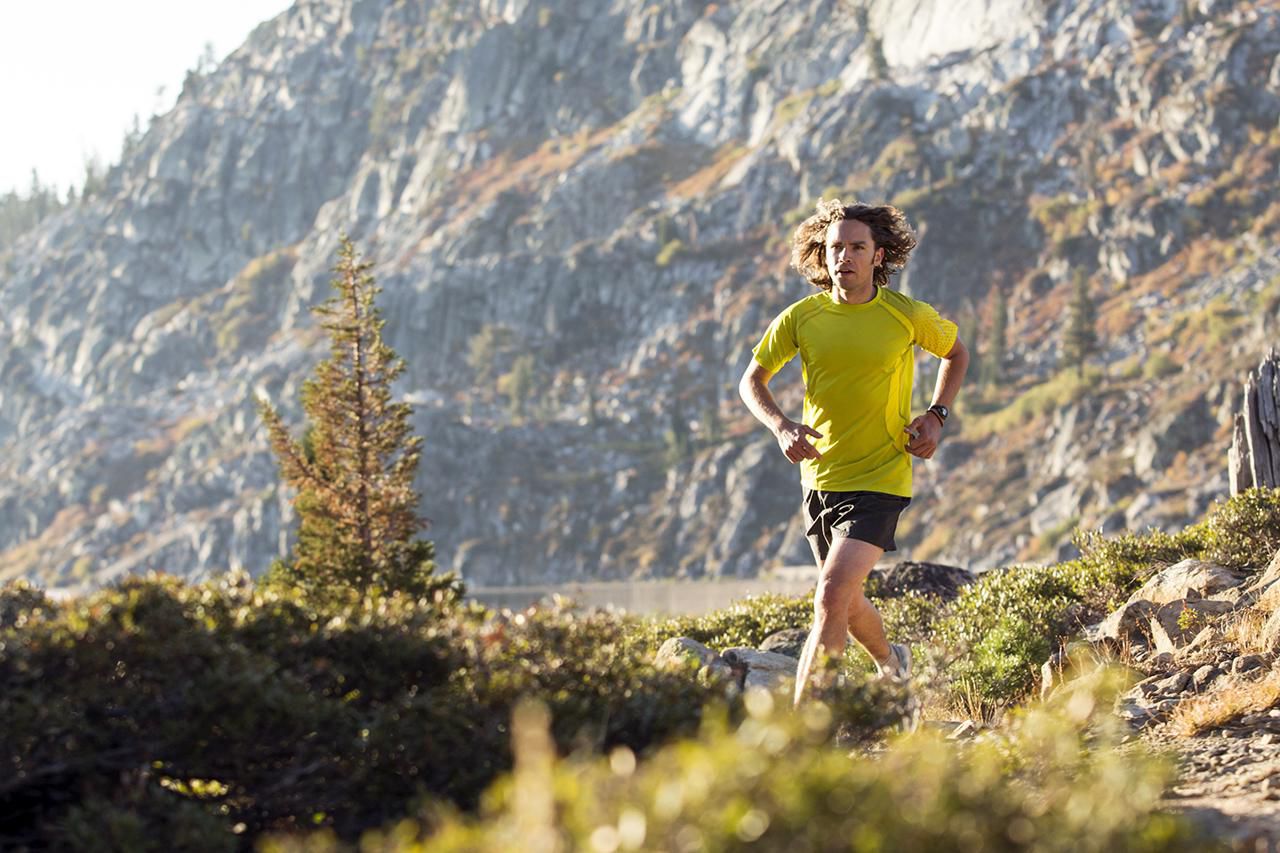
(1197, 630)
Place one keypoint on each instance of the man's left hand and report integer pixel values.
(923, 436)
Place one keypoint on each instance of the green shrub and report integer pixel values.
(770, 783)
(232, 710)
(1244, 530)
(1001, 628)
(668, 252)
(143, 818)
(1004, 625)
(744, 623)
(1159, 365)
(19, 601)
(909, 618)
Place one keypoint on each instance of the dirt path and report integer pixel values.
(1230, 783)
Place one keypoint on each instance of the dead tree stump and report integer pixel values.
(1254, 458)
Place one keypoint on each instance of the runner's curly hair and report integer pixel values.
(888, 226)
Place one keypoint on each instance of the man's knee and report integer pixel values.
(837, 587)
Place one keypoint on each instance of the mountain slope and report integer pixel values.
(579, 215)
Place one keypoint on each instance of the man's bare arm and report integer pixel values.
(950, 376)
(792, 437)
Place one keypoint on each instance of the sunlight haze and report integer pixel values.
(75, 73)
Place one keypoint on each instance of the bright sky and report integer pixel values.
(73, 73)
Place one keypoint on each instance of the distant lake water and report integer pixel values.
(643, 597)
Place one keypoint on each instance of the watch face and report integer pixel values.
(942, 410)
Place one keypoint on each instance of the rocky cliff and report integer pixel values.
(578, 212)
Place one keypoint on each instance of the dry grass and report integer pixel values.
(972, 705)
(1234, 698)
(709, 177)
(25, 558)
(1244, 630)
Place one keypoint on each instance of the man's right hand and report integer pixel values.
(793, 438)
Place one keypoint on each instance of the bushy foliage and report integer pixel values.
(771, 783)
(1244, 531)
(744, 623)
(909, 618)
(170, 711)
(19, 600)
(1003, 627)
(1119, 563)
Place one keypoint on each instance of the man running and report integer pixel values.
(855, 440)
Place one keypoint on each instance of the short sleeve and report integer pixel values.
(779, 344)
(933, 333)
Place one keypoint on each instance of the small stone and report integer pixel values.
(1267, 740)
(1246, 663)
(1173, 684)
(1274, 712)
(1204, 675)
(1148, 684)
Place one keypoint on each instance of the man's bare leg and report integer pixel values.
(839, 583)
(867, 627)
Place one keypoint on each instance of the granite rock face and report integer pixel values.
(593, 196)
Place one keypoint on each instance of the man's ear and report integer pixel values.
(879, 258)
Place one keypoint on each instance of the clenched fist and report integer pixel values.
(925, 431)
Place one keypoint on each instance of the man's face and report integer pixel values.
(852, 255)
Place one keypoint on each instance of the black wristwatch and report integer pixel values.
(941, 411)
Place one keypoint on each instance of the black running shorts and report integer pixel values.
(868, 516)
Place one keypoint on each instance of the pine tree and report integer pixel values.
(1081, 338)
(517, 384)
(354, 469)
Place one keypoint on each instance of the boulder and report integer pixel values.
(925, 578)
(1126, 625)
(739, 668)
(756, 659)
(762, 669)
(1202, 677)
(1175, 624)
(1190, 579)
(1265, 590)
(788, 641)
(1172, 685)
(1271, 632)
(683, 652)
(1247, 663)
(766, 679)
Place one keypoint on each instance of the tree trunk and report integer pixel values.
(1254, 458)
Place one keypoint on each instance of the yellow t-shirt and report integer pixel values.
(858, 366)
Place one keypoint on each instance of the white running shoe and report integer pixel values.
(899, 663)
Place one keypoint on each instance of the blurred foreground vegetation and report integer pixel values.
(160, 715)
